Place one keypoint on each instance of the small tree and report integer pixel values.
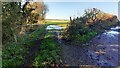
(32, 12)
(91, 14)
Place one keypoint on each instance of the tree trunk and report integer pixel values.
(22, 32)
(14, 35)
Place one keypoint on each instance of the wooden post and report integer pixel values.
(70, 19)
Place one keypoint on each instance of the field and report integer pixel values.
(62, 23)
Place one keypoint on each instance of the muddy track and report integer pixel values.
(33, 50)
(101, 51)
(74, 55)
(30, 55)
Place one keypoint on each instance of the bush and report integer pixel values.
(13, 55)
(78, 33)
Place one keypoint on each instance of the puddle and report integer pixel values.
(51, 27)
(57, 32)
(112, 32)
(115, 28)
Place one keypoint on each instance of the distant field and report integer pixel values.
(62, 23)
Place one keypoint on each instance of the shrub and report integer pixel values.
(13, 55)
(78, 33)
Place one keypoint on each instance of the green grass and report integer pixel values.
(49, 52)
(58, 22)
(86, 37)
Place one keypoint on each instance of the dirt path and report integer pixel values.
(32, 52)
(102, 51)
(74, 55)
(105, 49)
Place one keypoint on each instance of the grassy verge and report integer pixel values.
(13, 53)
(49, 52)
(86, 37)
(82, 39)
(58, 22)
